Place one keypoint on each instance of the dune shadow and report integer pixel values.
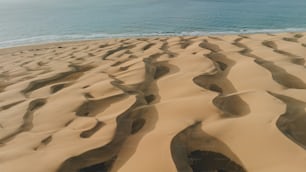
(292, 122)
(193, 150)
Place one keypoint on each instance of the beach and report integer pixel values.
(155, 104)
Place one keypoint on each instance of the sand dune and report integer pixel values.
(218, 103)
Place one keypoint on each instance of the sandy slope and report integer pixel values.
(233, 103)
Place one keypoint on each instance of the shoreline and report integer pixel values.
(31, 41)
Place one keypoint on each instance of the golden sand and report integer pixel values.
(233, 103)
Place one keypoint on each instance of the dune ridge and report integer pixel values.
(232, 103)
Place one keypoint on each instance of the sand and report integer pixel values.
(230, 103)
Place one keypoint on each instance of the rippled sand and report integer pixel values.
(234, 103)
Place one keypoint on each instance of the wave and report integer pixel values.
(93, 36)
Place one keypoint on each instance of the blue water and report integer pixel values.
(34, 21)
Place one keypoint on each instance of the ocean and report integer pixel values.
(39, 21)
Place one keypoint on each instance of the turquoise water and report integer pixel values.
(34, 21)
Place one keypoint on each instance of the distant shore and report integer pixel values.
(47, 39)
